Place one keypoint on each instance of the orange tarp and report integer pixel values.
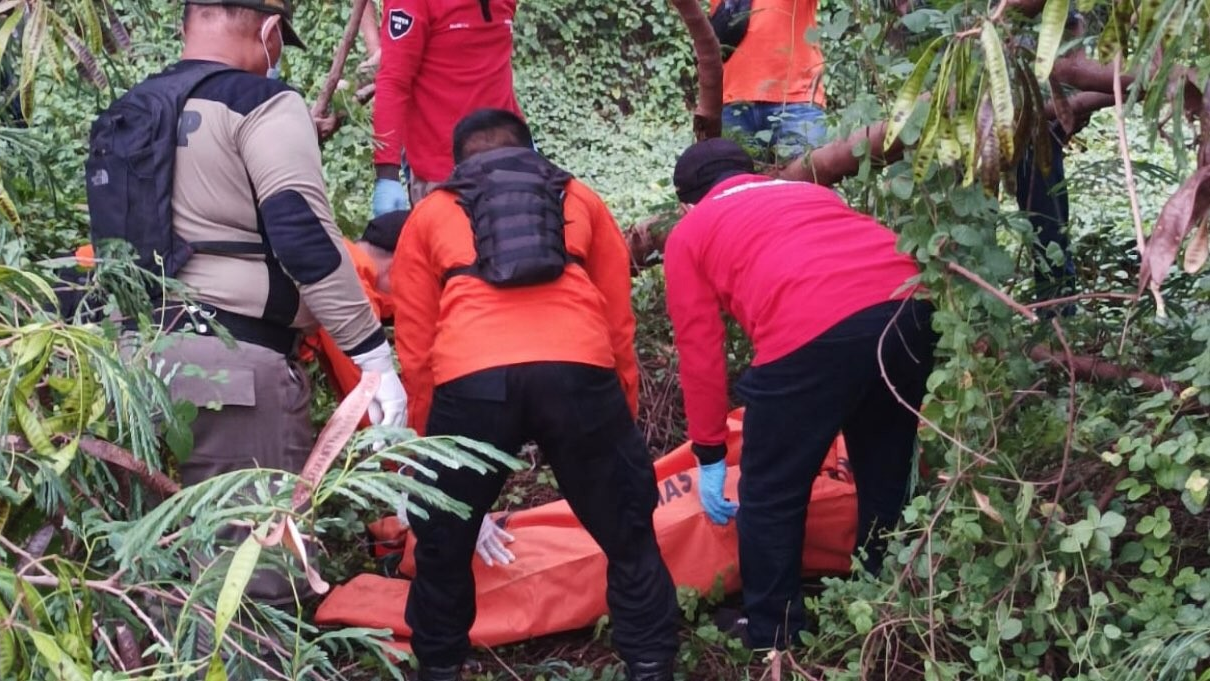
(557, 582)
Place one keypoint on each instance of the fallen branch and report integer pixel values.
(835, 161)
(111, 453)
(1088, 368)
(1055, 302)
(114, 454)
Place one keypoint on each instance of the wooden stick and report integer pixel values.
(338, 61)
(997, 293)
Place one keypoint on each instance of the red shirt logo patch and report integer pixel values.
(399, 23)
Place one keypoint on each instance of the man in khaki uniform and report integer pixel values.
(248, 171)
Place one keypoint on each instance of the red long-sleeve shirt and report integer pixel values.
(441, 59)
(787, 260)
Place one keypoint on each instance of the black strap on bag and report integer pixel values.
(514, 200)
(730, 24)
(200, 319)
(130, 171)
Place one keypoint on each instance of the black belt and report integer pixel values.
(201, 318)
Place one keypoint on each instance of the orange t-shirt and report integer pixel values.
(444, 332)
(775, 62)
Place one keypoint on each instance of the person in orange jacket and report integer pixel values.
(773, 91)
(515, 325)
(372, 255)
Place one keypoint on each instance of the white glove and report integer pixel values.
(490, 545)
(390, 404)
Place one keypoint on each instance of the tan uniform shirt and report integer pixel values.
(248, 169)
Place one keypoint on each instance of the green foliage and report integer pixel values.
(1062, 534)
(102, 563)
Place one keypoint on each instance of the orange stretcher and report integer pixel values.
(557, 582)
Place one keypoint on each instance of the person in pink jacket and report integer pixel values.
(841, 346)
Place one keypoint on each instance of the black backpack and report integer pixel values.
(514, 200)
(129, 170)
(730, 24)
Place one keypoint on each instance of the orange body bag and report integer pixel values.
(557, 582)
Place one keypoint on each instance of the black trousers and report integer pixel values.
(577, 414)
(795, 407)
(1043, 195)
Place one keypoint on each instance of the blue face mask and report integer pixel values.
(274, 70)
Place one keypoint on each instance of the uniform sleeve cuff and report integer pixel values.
(378, 337)
(708, 454)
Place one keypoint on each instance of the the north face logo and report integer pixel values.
(399, 23)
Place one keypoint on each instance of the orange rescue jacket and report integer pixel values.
(338, 366)
(444, 331)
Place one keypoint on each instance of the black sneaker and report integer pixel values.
(451, 673)
(650, 671)
(732, 623)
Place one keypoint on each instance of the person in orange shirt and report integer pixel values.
(371, 255)
(516, 326)
(773, 90)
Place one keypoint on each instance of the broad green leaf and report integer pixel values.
(33, 39)
(8, 644)
(9, 25)
(84, 56)
(32, 428)
(58, 662)
(1010, 629)
(926, 149)
(1050, 37)
(1112, 523)
(909, 93)
(31, 346)
(91, 20)
(243, 563)
(1000, 86)
(9, 209)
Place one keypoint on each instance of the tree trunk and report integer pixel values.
(708, 115)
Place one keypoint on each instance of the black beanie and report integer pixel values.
(383, 231)
(707, 163)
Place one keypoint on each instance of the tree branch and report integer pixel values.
(708, 116)
(320, 109)
(1089, 368)
(995, 292)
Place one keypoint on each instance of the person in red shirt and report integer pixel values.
(441, 60)
(827, 302)
(517, 326)
(773, 89)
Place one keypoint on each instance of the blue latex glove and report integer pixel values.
(389, 195)
(710, 491)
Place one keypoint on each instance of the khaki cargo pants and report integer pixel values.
(253, 412)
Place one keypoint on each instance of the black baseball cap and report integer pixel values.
(282, 8)
(705, 164)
